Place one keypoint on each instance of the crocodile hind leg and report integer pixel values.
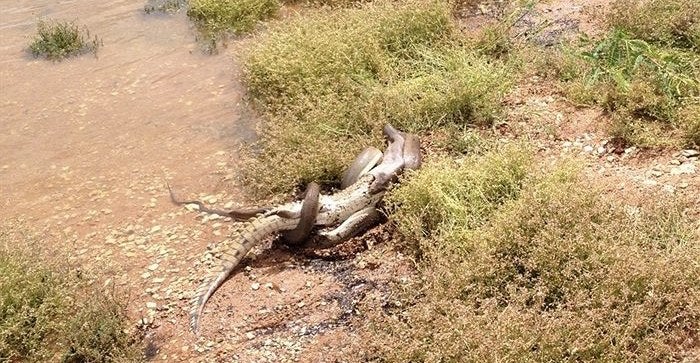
(354, 225)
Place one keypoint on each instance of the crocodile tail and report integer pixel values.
(255, 233)
(217, 278)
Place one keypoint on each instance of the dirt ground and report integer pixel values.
(87, 144)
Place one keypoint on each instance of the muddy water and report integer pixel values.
(93, 130)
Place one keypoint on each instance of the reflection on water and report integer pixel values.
(149, 100)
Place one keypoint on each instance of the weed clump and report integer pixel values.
(50, 313)
(328, 82)
(643, 71)
(57, 40)
(215, 17)
(539, 268)
(668, 22)
(164, 6)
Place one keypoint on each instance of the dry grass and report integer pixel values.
(49, 312)
(670, 22)
(328, 81)
(538, 267)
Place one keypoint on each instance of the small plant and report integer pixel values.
(164, 6)
(49, 312)
(645, 71)
(666, 22)
(643, 85)
(215, 17)
(57, 40)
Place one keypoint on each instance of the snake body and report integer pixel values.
(345, 213)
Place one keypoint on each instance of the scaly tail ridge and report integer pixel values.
(254, 234)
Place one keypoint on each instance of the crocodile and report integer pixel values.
(343, 214)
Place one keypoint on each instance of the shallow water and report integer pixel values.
(150, 101)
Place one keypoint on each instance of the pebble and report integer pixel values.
(255, 285)
(250, 335)
(155, 229)
(690, 153)
(687, 168)
(650, 182)
(153, 267)
(588, 149)
(151, 305)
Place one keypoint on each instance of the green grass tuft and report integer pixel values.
(57, 40)
(327, 83)
(448, 195)
(214, 17)
(534, 268)
(51, 313)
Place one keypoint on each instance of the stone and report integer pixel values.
(690, 153)
(686, 168)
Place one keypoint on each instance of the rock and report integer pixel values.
(192, 207)
(154, 229)
(151, 305)
(250, 335)
(153, 267)
(588, 149)
(686, 168)
(690, 153)
(656, 173)
(650, 182)
(255, 285)
(675, 162)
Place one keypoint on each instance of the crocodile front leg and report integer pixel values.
(357, 223)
